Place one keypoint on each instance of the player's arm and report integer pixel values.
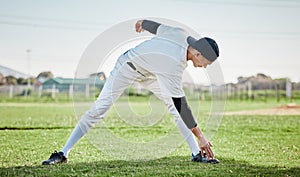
(147, 25)
(189, 120)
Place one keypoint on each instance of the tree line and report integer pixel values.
(11, 80)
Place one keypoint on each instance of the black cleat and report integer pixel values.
(56, 157)
(199, 158)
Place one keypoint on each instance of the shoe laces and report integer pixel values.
(55, 154)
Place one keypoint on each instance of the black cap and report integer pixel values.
(206, 46)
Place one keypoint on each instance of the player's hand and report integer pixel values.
(138, 26)
(204, 144)
(205, 147)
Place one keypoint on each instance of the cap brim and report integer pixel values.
(191, 41)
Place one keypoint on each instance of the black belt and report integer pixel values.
(134, 68)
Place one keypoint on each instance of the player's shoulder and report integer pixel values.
(170, 29)
(175, 34)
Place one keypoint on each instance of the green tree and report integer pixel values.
(11, 80)
(45, 74)
(21, 81)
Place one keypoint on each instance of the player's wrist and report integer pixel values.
(140, 22)
(197, 132)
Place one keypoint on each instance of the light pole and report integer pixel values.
(28, 80)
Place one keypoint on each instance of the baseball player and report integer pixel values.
(158, 64)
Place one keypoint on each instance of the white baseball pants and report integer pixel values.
(121, 77)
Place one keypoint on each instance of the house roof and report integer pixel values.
(11, 72)
(70, 81)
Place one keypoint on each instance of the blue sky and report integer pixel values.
(261, 36)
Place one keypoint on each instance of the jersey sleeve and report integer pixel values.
(150, 26)
(170, 85)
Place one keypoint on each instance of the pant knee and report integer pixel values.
(89, 119)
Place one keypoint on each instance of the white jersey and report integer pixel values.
(164, 56)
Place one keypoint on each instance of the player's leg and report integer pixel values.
(97, 111)
(197, 156)
(153, 86)
(120, 78)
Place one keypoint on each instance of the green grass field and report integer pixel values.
(245, 145)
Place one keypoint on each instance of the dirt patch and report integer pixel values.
(289, 109)
(290, 106)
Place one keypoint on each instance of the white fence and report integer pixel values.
(53, 91)
(91, 91)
